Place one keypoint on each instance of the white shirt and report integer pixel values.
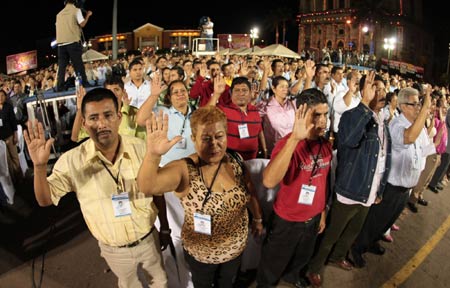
(407, 159)
(138, 95)
(339, 107)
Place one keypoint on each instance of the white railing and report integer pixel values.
(200, 47)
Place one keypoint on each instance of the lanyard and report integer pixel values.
(184, 125)
(315, 168)
(116, 179)
(208, 194)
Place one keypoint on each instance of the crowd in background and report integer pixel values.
(261, 98)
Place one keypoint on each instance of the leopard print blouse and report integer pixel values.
(229, 218)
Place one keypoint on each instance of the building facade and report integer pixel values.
(361, 27)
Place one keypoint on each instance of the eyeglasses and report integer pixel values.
(416, 105)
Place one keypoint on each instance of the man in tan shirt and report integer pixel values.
(102, 171)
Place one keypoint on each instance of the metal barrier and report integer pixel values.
(199, 46)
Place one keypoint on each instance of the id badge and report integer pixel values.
(202, 223)
(1, 122)
(243, 131)
(181, 144)
(382, 164)
(121, 204)
(307, 194)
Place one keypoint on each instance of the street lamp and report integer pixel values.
(389, 44)
(230, 39)
(253, 36)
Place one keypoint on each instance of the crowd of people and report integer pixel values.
(163, 157)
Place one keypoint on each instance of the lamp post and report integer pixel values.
(230, 39)
(389, 44)
(253, 36)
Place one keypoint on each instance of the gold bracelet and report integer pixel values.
(257, 220)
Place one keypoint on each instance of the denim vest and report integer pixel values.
(358, 149)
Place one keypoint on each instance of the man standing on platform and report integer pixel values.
(69, 22)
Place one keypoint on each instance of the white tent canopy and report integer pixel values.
(277, 50)
(93, 55)
(249, 51)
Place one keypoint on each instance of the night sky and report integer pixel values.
(39, 19)
(232, 16)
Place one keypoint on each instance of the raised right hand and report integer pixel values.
(302, 123)
(38, 147)
(368, 91)
(157, 142)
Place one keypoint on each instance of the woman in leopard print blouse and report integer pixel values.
(215, 192)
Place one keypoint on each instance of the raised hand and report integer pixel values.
(80, 94)
(219, 84)
(310, 69)
(157, 85)
(38, 147)
(368, 91)
(157, 142)
(302, 124)
(125, 99)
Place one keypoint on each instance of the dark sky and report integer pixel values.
(38, 18)
(27, 25)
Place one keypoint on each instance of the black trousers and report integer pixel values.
(213, 275)
(381, 216)
(286, 250)
(73, 53)
(441, 170)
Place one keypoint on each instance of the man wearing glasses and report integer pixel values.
(408, 161)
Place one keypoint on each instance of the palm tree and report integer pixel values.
(282, 11)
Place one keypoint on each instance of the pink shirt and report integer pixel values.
(440, 125)
(278, 120)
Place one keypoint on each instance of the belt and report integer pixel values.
(135, 243)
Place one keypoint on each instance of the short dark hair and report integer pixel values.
(166, 100)
(240, 80)
(97, 95)
(311, 97)
(113, 79)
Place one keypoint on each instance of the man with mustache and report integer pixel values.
(102, 172)
(364, 154)
(408, 161)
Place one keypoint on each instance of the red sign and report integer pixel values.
(403, 67)
(237, 40)
(21, 62)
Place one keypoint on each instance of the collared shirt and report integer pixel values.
(81, 170)
(247, 147)
(379, 119)
(179, 124)
(407, 160)
(339, 107)
(278, 120)
(138, 95)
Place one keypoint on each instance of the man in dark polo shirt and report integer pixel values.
(245, 134)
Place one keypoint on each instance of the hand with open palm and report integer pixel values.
(302, 124)
(38, 147)
(157, 142)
